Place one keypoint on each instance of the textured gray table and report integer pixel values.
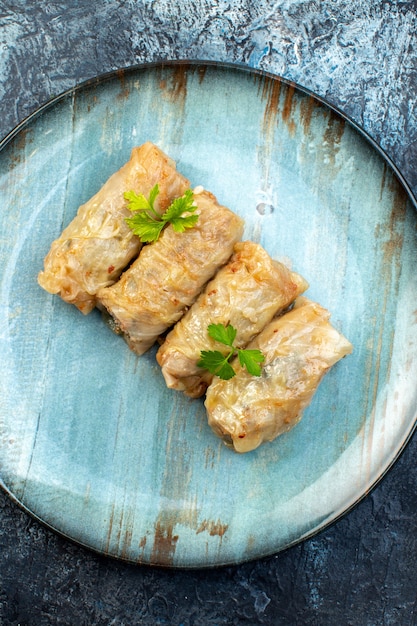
(362, 57)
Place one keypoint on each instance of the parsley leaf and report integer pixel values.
(178, 213)
(251, 360)
(148, 224)
(223, 334)
(145, 227)
(153, 194)
(217, 363)
(138, 202)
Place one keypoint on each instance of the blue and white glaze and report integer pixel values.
(93, 442)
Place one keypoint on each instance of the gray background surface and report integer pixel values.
(362, 57)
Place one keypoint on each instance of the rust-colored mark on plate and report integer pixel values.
(119, 532)
(213, 528)
(335, 128)
(307, 106)
(175, 89)
(140, 557)
(400, 197)
(270, 92)
(24, 137)
(91, 104)
(333, 136)
(164, 544)
(202, 73)
(394, 240)
(124, 89)
(109, 530)
(250, 543)
(126, 543)
(287, 109)
(383, 179)
(18, 147)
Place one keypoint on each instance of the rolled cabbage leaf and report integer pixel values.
(97, 245)
(247, 293)
(299, 348)
(169, 274)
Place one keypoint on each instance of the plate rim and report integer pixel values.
(193, 64)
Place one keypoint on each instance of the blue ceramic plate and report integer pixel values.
(92, 442)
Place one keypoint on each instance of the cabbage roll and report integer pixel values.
(97, 245)
(299, 348)
(170, 273)
(247, 293)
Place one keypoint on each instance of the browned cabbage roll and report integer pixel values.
(247, 293)
(97, 245)
(299, 348)
(169, 274)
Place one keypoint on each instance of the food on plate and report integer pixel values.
(154, 255)
(246, 293)
(98, 244)
(299, 348)
(169, 274)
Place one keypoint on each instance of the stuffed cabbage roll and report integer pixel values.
(299, 348)
(170, 273)
(247, 293)
(97, 245)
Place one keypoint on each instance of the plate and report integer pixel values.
(92, 442)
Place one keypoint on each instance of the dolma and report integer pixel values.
(97, 245)
(247, 293)
(170, 273)
(299, 348)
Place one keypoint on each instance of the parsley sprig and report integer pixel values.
(217, 363)
(148, 224)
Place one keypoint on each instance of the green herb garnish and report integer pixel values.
(216, 363)
(147, 223)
